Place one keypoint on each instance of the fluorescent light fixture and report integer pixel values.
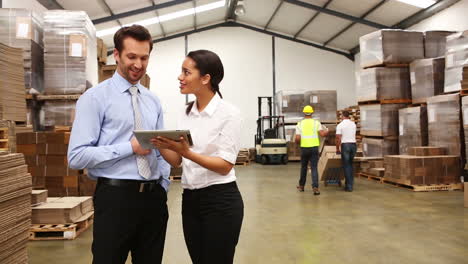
(419, 3)
(167, 17)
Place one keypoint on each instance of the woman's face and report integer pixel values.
(189, 79)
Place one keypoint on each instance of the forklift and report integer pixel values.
(270, 146)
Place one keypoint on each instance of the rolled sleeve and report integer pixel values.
(230, 140)
(338, 129)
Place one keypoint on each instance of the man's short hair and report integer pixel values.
(345, 113)
(137, 32)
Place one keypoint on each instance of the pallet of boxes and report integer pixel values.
(290, 105)
(243, 157)
(384, 87)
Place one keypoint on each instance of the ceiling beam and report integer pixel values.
(273, 15)
(157, 14)
(418, 17)
(311, 19)
(230, 15)
(336, 14)
(354, 23)
(260, 30)
(137, 11)
(50, 4)
(194, 14)
(109, 10)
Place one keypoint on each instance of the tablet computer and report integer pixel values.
(144, 136)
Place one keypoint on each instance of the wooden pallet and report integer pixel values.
(370, 177)
(60, 231)
(388, 65)
(244, 163)
(423, 188)
(386, 101)
(175, 177)
(58, 97)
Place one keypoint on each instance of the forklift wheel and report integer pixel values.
(284, 159)
(264, 159)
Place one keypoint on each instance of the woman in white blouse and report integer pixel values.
(212, 206)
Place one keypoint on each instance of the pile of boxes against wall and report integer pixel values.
(15, 208)
(46, 156)
(290, 105)
(403, 67)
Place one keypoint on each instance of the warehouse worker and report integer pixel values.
(346, 139)
(130, 197)
(307, 134)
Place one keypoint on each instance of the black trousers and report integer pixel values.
(129, 221)
(212, 220)
(309, 155)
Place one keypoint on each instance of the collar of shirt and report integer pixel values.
(122, 84)
(209, 109)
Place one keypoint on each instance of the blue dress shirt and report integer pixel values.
(103, 128)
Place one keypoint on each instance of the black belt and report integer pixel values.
(138, 186)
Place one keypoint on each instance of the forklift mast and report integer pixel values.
(274, 122)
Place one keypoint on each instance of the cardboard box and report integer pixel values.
(38, 196)
(389, 46)
(380, 120)
(434, 43)
(379, 147)
(384, 84)
(30, 138)
(427, 78)
(423, 170)
(412, 128)
(426, 151)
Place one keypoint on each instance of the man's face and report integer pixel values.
(133, 60)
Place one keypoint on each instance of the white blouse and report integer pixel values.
(215, 132)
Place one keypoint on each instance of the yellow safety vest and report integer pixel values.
(309, 133)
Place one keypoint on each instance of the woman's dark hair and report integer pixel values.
(137, 32)
(207, 62)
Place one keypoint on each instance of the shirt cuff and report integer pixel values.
(165, 183)
(229, 157)
(124, 149)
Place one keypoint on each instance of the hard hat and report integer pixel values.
(308, 109)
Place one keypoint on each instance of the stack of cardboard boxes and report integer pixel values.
(15, 208)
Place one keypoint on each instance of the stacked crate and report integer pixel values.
(46, 156)
(70, 65)
(384, 86)
(7, 136)
(15, 208)
(427, 79)
(243, 157)
(22, 28)
(412, 128)
(425, 166)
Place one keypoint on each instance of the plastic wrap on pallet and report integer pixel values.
(384, 83)
(434, 43)
(70, 52)
(324, 104)
(415, 170)
(58, 113)
(379, 147)
(456, 58)
(412, 128)
(290, 131)
(464, 109)
(427, 78)
(388, 46)
(380, 119)
(22, 28)
(443, 116)
(291, 103)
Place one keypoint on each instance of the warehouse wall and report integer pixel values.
(247, 58)
(28, 4)
(452, 18)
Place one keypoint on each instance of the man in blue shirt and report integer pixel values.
(130, 198)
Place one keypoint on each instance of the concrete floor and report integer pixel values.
(374, 224)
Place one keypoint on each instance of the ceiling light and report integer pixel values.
(167, 17)
(419, 3)
(240, 9)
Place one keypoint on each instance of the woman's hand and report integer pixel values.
(181, 147)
